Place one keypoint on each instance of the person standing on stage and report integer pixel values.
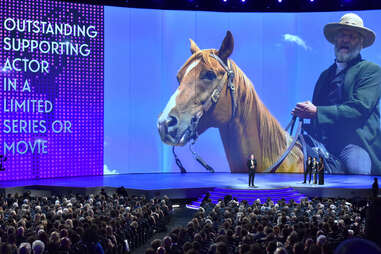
(321, 170)
(252, 165)
(315, 165)
(308, 169)
(375, 188)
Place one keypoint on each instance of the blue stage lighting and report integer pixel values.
(279, 1)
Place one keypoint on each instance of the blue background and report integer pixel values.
(145, 48)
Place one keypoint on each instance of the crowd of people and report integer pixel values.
(117, 223)
(315, 226)
(101, 223)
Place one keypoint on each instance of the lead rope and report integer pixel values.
(275, 166)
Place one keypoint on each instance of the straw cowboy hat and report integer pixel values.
(350, 21)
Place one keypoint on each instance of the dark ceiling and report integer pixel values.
(244, 5)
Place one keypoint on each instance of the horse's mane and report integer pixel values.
(273, 140)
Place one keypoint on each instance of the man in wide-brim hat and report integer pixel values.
(351, 22)
(345, 110)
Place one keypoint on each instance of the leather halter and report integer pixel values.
(217, 91)
(213, 99)
(215, 96)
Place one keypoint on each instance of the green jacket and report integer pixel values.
(357, 119)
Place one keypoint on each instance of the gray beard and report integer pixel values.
(346, 57)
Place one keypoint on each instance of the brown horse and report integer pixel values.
(252, 129)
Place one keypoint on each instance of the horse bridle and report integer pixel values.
(212, 100)
(214, 97)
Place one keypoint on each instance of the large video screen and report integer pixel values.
(51, 117)
(151, 73)
(92, 90)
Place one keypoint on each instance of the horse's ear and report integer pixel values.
(227, 46)
(194, 48)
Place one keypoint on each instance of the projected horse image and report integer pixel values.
(206, 98)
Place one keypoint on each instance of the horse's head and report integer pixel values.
(195, 105)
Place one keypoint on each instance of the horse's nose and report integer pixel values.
(171, 121)
(167, 125)
(162, 126)
(168, 128)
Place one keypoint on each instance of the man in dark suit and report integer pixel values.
(345, 108)
(252, 165)
(375, 188)
(308, 169)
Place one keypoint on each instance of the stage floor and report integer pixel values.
(157, 181)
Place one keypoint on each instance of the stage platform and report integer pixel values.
(192, 185)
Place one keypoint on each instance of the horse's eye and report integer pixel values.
(209, 75)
